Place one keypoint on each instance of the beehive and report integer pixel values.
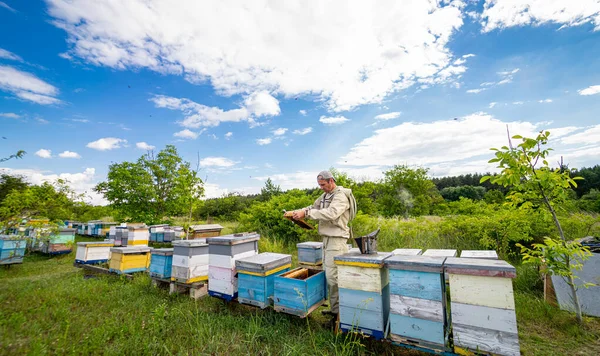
(81, 229)
(485, 254)
(93, 252)
(299, 291)
(256, 277)
(418, 301)
(204, 231)
(137, 236)
(190, 261)
(129, 259)
(440, 253)
(364, 292)
(60, 242)
(12, 249)
(483, 306)
(223, 252)
(407, 252)
(310, 253)
(161, 262)
(157, 232)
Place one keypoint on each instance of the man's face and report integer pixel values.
(326, 185)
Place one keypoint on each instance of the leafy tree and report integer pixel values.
(269, 190)
(464, 191)
(591, 180)
(535, 183)
(493, 197)
(152, 188)
(590, 201)
(9, 183)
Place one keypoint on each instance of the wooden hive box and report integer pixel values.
(129, 259)
(93, 252)
(60, 243)
(310, 253)
(364, 292)
(299, 291)
(204, 231)
(407, 252)
(81, 229)
(12, 249)
(157, 232)
(169, 234)
(482, 306)
(105, 227)
(190, 261)
(137, 236)
(161, 262)
(485, 254)
(223, 252)
(440, 253)
(418, 301)
(256, 277)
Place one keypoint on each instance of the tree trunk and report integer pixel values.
(571, 283)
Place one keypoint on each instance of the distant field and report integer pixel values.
(47, 307)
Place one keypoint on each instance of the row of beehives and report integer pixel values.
(158, 233)
(41, 239)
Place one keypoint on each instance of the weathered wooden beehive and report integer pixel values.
(60, 242)
(364, 292)
(190, 261)
(204, 231)
(485, 254)
(161, 262)
(137, 235)
(157, 232)
(310, 253)
(169, 234)
(299, 291)
(93, 252)
(407, 252)
(256, 277)
(12, 249)
(223, 252)
(440, 253)
(418, 301)
(129, 259)
(483, 306)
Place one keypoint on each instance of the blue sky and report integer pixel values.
(281, 90)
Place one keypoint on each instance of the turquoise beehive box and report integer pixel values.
(161, 262)
(256, 277)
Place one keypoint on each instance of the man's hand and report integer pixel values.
(298, 214)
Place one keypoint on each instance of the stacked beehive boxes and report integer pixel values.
(299, 291)
(129, 259)
(93, 252)
(418, 301)
(190, 261)
(169, 234)
(60, 242)
(310, 254)
(137, 235)
(161, 262)
(256, 277)
(223, 252)
(81, 229)
(364, 292)
(483, 306)
(12, 249)
(157, 232)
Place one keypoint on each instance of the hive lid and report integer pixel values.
(407, 251)
(487, 254)
(234, 239)
(188, 243)
(162, 251)
(357, 257)
(131, 249)
(480, 267)
(440, 252)
(416, 263)
(310, 244)
(159, 225)
(97, 243)
(263, 261)
(12, 238)
(206, 227)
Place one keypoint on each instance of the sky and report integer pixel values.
(282, 90)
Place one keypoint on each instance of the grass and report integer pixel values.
(47, 307)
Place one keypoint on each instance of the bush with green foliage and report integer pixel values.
(463, 191)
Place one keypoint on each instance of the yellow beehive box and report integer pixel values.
(129, 259)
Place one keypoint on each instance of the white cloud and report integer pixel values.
(264, 141)
(591, 90)
(336, 120)
(42, 121)
(262, 104)
(545, 101)
(144, 146)
(106, 143)
(492, 104)
(487, 84)
(518, 102)
(4, 5)
(221, 162)
(509, 72)
(475, 91)
(27, 86)
(302, 112)
(303, 131)
(43, 153)
(499, 14)
(214, 191)
(505, 81)
(370, 51)
(280, 131)
(69, 154)
(228, 135)
(9, 55)
(388, 116)
(10, 115)
(590, 136)
(80, 120)
(187, 134)
(468, 55)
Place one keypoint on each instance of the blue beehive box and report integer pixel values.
(161, 263)
(12, 249)
(418, 301)
(364, 292)
(256, 277)
(310, 253)
(299, 291)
